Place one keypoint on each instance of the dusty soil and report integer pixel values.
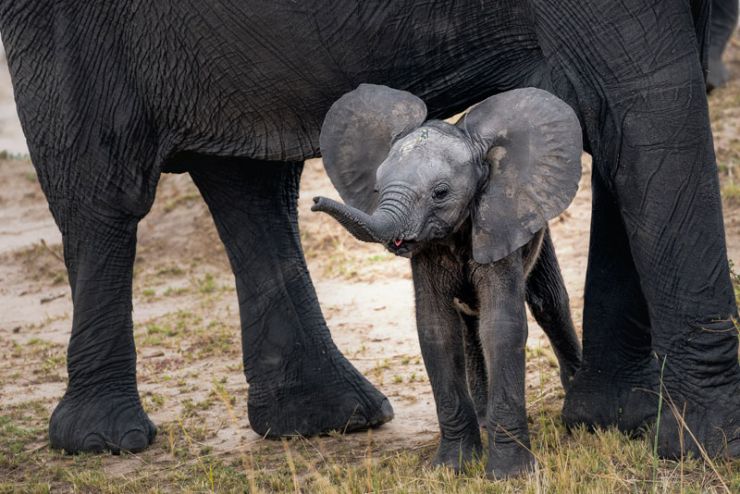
(186, 316)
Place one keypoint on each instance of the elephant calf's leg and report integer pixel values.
(101, 409)
(475, 367)
(548, 301)
(441, 339)
(723, 23)
(299, 382)
(503, 333)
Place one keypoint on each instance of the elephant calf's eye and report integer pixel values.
(440, 192)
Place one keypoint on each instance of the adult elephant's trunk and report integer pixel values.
(379, 227)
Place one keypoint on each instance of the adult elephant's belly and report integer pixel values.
(257, 83)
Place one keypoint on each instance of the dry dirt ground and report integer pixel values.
(189, 359)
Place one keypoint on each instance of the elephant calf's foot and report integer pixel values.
(456, 453)
(320, 403)
(686, 425)
(597, 399)
(96, 420)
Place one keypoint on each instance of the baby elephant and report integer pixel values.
(469, 204)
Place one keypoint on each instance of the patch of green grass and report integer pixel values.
(190, 335)
(175, 292)
(14, 435)
(47, 360)
(156, 329)
(207, 284)
(731, 193)
(164, 330)
(387, 256)
(170, 271)
(6, 155)
(22, 428)
(379, 368)
(152, 402)
(43, 262)
(220, 392)
(216, 339)
(542, 354)
(184, 459)
(53, 365)
(603, 462)
(191, 408)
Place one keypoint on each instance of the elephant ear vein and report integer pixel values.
(533, 178)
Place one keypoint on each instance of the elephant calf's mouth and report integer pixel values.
(401, 247)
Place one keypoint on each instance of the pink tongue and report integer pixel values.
(398, 242)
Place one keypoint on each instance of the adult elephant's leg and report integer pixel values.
(299, 383)
(617, 382)
(650, 125)
(668, 190)
(723, 24)
(101, 409)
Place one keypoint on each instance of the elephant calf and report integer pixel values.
(469, 204)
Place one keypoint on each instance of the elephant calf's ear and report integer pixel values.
(357, 135)
(532, 141)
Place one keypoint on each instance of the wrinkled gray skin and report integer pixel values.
(470, 291)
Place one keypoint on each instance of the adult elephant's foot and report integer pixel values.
(457, 452)
(625, 398)
(508, 458)
(701, 392)
(99, 419)
(319, 400)
(703, 421)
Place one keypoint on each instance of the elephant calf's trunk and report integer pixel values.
(364, 227)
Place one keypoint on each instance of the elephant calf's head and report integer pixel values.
(510, 164)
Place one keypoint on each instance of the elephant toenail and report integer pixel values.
(94, 443)
(386, 412)
(134, 441)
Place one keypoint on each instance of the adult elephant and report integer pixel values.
(113, 93)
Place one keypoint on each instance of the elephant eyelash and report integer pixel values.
(440, 192)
